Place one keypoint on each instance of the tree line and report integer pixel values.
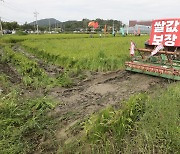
(67, 25)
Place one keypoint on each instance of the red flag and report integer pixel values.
(90, 24)
(93, 24)
(96, 25)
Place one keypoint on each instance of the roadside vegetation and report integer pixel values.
(143, 123)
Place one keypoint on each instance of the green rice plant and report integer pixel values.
(84, 53)
(33, 37)
(31, 74)
(65, 80)
(118, 122)
(23, 121)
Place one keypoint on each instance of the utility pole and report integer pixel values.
(113, 31)
(35, 15)
(49, 26)
(1, 28)
(55, 26)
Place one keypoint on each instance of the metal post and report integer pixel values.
(113, 31)
(35, 14)
(49, 26)
(55, 26)
(1, 28)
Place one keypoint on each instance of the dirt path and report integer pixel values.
(96, 93)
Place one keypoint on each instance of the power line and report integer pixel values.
(15, 8)
(11, 6)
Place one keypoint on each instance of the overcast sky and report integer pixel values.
(63, 10)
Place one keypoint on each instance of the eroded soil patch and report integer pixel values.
(96, 93)
(10, 72)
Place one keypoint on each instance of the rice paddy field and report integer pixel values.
(81, 50)
(70, 93)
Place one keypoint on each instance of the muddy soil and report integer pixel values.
(12, 74)
(96, 93)
(10, 71)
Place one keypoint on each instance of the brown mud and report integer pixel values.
(95, 93)
(7, 69)
(12, 74)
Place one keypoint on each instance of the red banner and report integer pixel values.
(165, 31)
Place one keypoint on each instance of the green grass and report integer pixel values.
(73, 52)
(20, 38)
(23, 121)
(31, 74)
(159, 129)
(97, 54)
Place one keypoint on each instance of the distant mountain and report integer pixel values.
(45, 22)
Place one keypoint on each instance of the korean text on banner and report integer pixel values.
(165, 31)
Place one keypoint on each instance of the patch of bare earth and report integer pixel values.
(96, 93)
(10, 72)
